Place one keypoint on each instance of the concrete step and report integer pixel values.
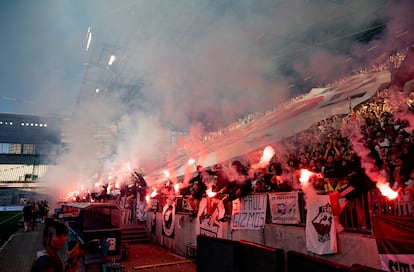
(133, 234)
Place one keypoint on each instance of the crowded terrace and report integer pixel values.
(336, 157)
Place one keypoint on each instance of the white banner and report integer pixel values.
(284, 208)
(395, 242)
(397, 262)
(249, 212)
(320, 228)
(168, 219)
(141, 212)
(210, 210)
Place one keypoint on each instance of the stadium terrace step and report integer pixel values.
(133, 234)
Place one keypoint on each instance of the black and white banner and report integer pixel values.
(210, 210)
(320, 228)
(168, 219)
(395, 242)
(249, 212)
(284, 208)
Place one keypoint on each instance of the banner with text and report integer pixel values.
(249, 212)
(395, 242)
(284, 208)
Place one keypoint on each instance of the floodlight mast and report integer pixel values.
(88, 38)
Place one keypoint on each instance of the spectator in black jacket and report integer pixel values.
(197, 189)
(239, 186)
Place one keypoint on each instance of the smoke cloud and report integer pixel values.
(196, 67)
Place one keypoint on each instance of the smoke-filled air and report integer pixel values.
(195, 67)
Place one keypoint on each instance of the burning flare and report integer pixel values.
(385, 189)
(353, 131)
(154, 193)
(176, 187)
(191, 161)
(305, 175)
(210, 192)
(268, 153)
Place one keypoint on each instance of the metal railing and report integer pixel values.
(401, 206)
(356, 216)
(358, 213)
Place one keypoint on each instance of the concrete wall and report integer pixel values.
(353, 248)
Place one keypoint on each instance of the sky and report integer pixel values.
(42, 44)
(192, 66)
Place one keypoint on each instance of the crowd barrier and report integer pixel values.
(223, 255)
(216, 254)
(256, 257)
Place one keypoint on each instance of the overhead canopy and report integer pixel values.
(91, 205)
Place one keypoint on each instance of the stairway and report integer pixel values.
(135, 234)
